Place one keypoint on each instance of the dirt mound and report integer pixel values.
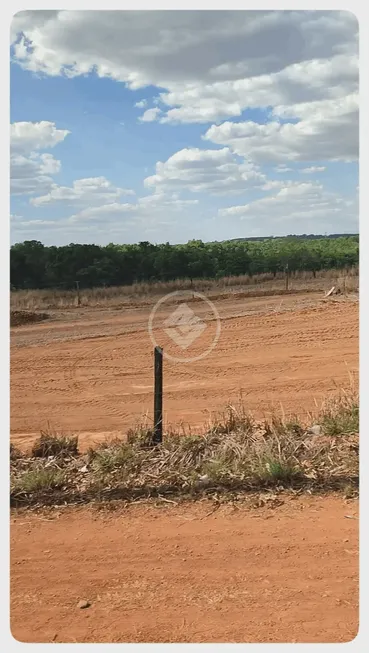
(17, 318)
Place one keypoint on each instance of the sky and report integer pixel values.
(170, 126)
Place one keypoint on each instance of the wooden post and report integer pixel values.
(78, 296)
(286, 271)
(158, 395)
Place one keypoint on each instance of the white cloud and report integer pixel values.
(150, 115)
(281, 168)
(30, 170)
(300, 206)
(298, 68)
(313, 169)
(29, 136)
(141, 48)
(208, 171)
(146, 208)
(160, 214)
(31, 174)
(38, 223)
(300, 82)
(326, 130)
(94, 190)
(212, 63)
(271, 184)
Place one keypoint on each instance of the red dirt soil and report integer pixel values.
(94, 375)
(187, 573)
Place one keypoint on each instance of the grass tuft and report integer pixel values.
(50, 444)
(273, 471)
(340, 414)
(15, 453)
(38, 479)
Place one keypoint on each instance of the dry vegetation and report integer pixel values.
(18, 318)
(235, 455)
(140, 293)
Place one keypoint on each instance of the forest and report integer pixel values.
(34, 265)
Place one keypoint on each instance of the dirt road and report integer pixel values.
(93, 376)
(180, 574)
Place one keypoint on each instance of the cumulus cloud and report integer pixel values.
(326, 130)
(29, 136)
(30, 170)
(147, 207)
(298, 68)
(212, 64)
(307, 204)
(309, 80)
(281, 168)
(150, 115)
(143, 48)
(94, 190)
(209, 171)
(38, 223)
(31, 174)
(133, 221)
(312, 170)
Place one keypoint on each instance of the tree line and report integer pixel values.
(34, 265)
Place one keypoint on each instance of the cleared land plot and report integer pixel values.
(91, 371)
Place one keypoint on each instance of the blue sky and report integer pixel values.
(228, 141)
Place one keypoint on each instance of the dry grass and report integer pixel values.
(236, 455)
(340, 416)
(40, 479)
(140, 293)
(52, 444)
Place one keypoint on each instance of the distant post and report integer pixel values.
(78, 297)
(158, 395)
(286, 273)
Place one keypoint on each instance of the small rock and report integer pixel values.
(203, 480)
(316, 429)
(83, 604)
(84, 469)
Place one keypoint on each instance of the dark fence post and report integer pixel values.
(78, 297)
(287, 275)
(158, 395)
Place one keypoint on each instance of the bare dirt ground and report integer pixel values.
(187, 573)
(91, 371)
(183, 573)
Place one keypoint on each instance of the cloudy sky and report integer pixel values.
(168, 126)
